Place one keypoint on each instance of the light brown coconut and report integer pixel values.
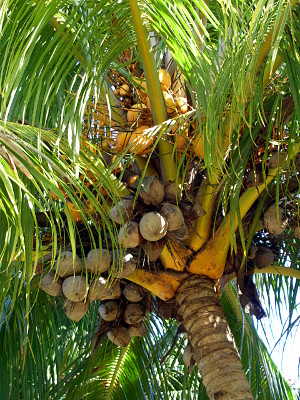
(173, 215)
(123, 211)
(129, 265)
(135, 112)
(119, 336)
(133, 313)
(187, 355)
(97, 261)
(76, 311)
(297, 232)
(65, 266)
(182, 104)
(133, 292)
(137, 330)
(75, 288)
(51, 285)
(277, 160)
(109, 311)
(152, 191)
(172, 192)
(181, 234)
(124, 90)
(129, 235)
(100, 289)
(274, 225)
(153, 249)
(153, 226)
(191, 211)
(264, 257)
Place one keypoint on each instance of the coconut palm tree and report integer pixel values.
(149, 157)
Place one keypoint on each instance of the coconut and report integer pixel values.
(75, 311)
(133, 313)
(119, 336)
(254, 178)
(121, 141)
(100, 290)
(65, 266)
(153, 249)
(133, 292)
(75, 288)
(124, 90)
(187, 355)
(264, 257)
(139, 141)
(129, 235)
(277, 160)
(97, 261)
(50, 285)
(152, 191)
(169, 102)
(165, 79)
(297, 232)
(135, 112)
(109, 311)
(181, 234)
(191, 211)
(182, 104)
(123, 211)
(275, 226)
(129, 265)
(137, 330)
(153, 226)
(172, 192)
(173, 215)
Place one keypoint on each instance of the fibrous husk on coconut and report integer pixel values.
(75, 288)
(133, 313)
(297, 232)
(264, 257)
(97, 261)
(133, 292)
(101, 290)
(137, 330)
(275, 226)
(109, 311)
(187, 355)
(123, 211)
(172, 192)
(129, 235)
(153, 226)
(173, 215)
(153, 249)
(277, 160)
(191, 211)
(65, 266)
(119, 336)
(128, 266)
(75, 311)
(152, 191)
(51, 285)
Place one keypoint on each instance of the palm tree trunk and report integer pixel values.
(213, 346)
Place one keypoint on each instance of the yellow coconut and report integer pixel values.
(124, 90)
(169, 102)
(165, 79)
(139, 141)
(181, 104)
(121, 141)
(135, 112)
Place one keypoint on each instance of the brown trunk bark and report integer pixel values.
(213, 346)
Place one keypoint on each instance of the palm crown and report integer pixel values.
(162, 165)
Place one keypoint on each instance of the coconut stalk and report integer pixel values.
(214, 350)
(158, 108)
(75, 288)
(76, 311)
(51, 285)
(97, 261)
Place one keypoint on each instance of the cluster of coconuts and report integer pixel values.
(159, 215)
(139, 114)
(126, 303)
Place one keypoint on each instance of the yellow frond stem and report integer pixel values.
(175, 257)
(160, 283)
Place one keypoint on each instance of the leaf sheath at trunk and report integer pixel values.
(213, 346)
